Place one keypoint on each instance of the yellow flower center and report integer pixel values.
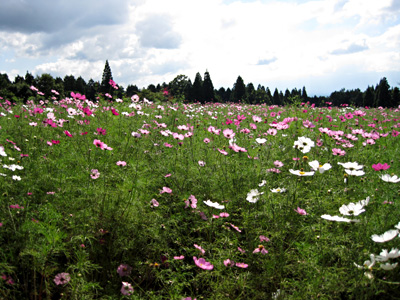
(302, 173)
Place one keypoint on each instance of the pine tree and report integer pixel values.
(196, 92)
(369, 97)
(382, 96)
(208, 88)
(239, 90)
(105, 81)
(395, 96)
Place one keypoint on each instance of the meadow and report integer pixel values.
(135, 199)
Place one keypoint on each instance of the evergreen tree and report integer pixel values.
(29, 79)
(45, 83)
(275, 97)
(250, 93)
(269, 95)
(304, 94)
(369, 96)
(208, 88)
(131, 90)
(179, 87)
(239, 90)
(382, 96)
(105, 81)
(80, 85)
(69, 84)
(395, 96)
(196, 92)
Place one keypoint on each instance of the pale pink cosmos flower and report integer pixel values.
(224, 215)
(228, 133)
(264, 238)
(236, 228)
(202, 263)
(241, 250)
(222, 151)
(124, 270)
(278, 164)
(121, 163)
(229, 263)
(201, 163)
(62, 278)
(241, 265)
(260, 249)
(95, 174)
(206, 140)
(337, 151)
(179, 257)
(126, 288)
(166, 190)
(154, 203)
(300, 211)
(199, 247)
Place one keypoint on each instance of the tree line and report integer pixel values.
(201, 90)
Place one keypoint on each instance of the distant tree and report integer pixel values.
(369, 97)
(196, 92)
(275, 98)
(382, 96)
(92, 89)
(131, 90)
(69, 84)
(304, 94)
(45, 83)
(396, 96)
(250, 93)
(19, 79)
(105, 86)
(287, 96)
(261, 95)
(179, 87)
(4, 81)
(80, 85)
(152, 88)
(208, 88)
(29, 79)
(269, 95)
(239, 90)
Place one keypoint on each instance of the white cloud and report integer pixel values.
(275, 43)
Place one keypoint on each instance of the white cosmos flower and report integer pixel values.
(13, 167)
(388, 266)
(301, 173)
(351, 165)
(351, 209)
(397, 226)
(317, 167)
(261, 141)
(387, 236)
(262, 183)
(214, 204)
(385, 255)
(354, 172)
(15, 177)
(278, 190)
(338, 219)
(368, 264)
(363, 202)
(2, 152)
(253, 196)
(388, 178)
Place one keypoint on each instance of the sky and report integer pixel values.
(324, 45)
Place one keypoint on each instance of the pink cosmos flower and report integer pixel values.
(199, 247)
(278, 164)
(202, 263)
(95, 174)
(241, 265)
(272, 131)
(241, 250)
(67, 133)
(261, 249)
(337, 151)
(236, 228)
(222, 151)
(193, 201)
(62, 278)
(168, 175)
(228, 133)
(380, 167)
(126, 288)
(166, 190)
(168, 145)
(124, 270)
(121, 163)
(154, 203)
(179, 257)
(229, 263)
(224, 215)
(99, 144)
(300, 211)
(263, 238)
(206, 140)
(201, 163)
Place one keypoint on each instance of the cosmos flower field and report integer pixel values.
(134, 199)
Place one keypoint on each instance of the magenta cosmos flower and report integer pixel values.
(62, 278)
(380, 167)
(202, 263)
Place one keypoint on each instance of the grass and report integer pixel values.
(68, 222)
